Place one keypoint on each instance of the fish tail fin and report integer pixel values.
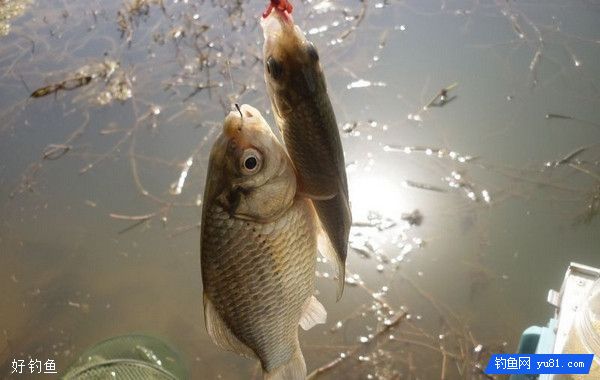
(294, 369)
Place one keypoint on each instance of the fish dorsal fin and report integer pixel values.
(294, 369)
(313, 313)
(327, 251)
(220, 334)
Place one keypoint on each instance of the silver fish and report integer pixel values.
(303, 112)
(258, 248)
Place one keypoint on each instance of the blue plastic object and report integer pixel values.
(537, 340)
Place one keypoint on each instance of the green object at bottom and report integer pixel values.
(128, 357)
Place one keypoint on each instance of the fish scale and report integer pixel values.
(266, 263)
(320, 140)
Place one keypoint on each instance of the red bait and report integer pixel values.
(282, 5)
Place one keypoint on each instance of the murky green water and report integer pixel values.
(100, 180)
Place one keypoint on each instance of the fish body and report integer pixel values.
(258, 248)
(304, 114)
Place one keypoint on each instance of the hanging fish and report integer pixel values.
(303, 112)
(258, 248)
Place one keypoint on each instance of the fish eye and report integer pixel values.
(251, 161)
(274, 68)
(312, 51)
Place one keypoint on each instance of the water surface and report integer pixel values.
(100, 184)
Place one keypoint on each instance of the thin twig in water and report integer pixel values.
(55, 151)
(569, 157)
(584, 170)
(132, 217)
(139, 220)
(182, 230)
(359, 18)
(567, 117)
(379, 336)
(557, 116)
(441, 98)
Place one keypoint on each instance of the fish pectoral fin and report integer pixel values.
(327, 251)
(294, 369)
(313, 313)
(316, 197)
(323, 188)
(220, 334)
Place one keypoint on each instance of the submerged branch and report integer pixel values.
(132, 217)
(378, 338)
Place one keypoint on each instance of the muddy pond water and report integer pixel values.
(471, 131)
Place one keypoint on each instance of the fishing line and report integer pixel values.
(227, 62)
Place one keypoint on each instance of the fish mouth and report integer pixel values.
(275, 25)
(242, 122)
(234, 121)
(241, 112)
(281, 14)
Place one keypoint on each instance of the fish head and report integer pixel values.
(292, 69)
(250, 174)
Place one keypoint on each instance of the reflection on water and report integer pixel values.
(473, 147)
